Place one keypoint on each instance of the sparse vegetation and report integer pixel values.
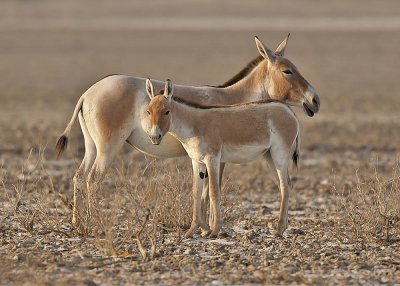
(342, 226)
(371, 209)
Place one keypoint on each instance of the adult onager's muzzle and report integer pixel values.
(155, 135)
(312, 104)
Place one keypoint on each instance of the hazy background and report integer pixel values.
(52, 51)
(345, 191)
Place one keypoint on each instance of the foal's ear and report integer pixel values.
(264, 51)
(169, 89)
(280, 50)
(149, 88)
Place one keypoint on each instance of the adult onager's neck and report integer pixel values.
(247, 84)
(251, 78)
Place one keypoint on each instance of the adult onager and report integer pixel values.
(217, 134)
(110, 111)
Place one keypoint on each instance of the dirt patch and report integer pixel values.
(343, 218)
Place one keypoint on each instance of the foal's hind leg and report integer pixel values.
(81, 173)
(280, 160)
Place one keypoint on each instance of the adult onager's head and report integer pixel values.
(283, 81)
(159, 110)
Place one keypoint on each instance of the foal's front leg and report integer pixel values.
(205, 200)
(213, 168)
(196, 193)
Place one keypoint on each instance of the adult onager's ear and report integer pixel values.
(149, 88)
(280, 50)
(264, 51)
(169, 89)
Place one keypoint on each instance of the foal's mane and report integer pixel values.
(200, 106)
(243, 73)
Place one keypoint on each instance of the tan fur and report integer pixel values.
(228, 134)
(114, 111)
(112, 120)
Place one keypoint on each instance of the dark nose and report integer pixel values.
(316, 101)
(159, 136)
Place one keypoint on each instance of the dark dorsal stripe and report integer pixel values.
(200, 106)
(243, 73)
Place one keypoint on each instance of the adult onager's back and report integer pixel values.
(228, 134)
(111, 110)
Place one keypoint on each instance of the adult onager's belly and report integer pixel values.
(241, 154)
(169, 147)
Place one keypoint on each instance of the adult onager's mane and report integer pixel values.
(243, 73)
(200, 106)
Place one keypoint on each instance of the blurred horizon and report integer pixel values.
(52, 51)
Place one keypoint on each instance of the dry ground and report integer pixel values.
(349, 154)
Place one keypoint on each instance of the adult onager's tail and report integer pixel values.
(62, 141)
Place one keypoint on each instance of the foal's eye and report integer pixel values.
(148, 112)
(167, 112)
(287, 71)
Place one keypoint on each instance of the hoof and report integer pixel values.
(205, 232)
(191, 231)
(189, 234)
(214, 234)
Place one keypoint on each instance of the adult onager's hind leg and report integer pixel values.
(104, 157)
(83, 170)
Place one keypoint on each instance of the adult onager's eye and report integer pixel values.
(167, 112)
(148, 112)
(287, 71)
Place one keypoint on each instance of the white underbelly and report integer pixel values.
(241, 154)
(168, 148)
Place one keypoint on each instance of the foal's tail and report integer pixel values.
(62, 141)
(296, 152)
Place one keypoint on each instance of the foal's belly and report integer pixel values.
(168, 148)
(241, 154)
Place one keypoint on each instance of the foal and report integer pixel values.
(217, 134)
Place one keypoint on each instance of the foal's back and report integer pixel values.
(247, 124)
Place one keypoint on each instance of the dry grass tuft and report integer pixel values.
(371, 209)
(135, 207)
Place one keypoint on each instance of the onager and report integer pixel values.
(110, 111)
(217, 134)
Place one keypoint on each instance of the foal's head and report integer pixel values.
(283, 81)
(159, 111)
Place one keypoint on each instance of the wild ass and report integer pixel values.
(110, 111)
(217, 134)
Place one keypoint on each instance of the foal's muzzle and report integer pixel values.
(156, 140)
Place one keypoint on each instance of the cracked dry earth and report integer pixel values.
(39, 246)
(349, 150)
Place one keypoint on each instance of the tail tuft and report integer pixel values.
(295, 158)
(61, 145)
(296, 153)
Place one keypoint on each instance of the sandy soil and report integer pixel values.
(51, 52)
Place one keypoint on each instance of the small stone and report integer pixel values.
(265, 210)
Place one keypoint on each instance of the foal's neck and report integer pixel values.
(183, 119)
